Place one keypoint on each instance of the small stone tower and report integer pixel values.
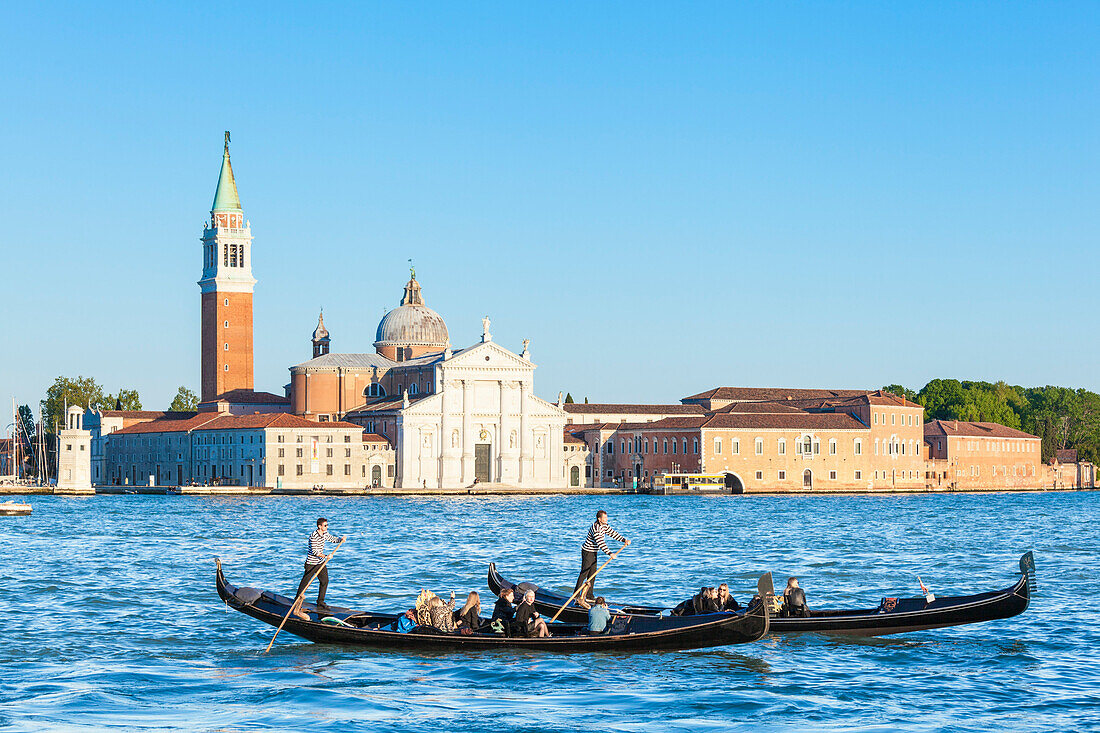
(74, 455)
(320, 337)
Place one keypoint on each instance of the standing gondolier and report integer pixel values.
(314, 560)
(593, 542)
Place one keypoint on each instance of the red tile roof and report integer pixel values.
(249, 397)
(147, 414)
(952, 428)
(631, 409)
(168, 425)
(219, 421)
(374, 438)
(1065, 455)
(757, 407)
(799, 421)
(772, 394)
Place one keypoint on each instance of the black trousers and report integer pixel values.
(588, 568)
(322, 580)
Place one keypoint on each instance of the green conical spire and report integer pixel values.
(226, 198)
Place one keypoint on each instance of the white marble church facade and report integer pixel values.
(484, 425)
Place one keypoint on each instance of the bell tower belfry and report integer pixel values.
(226, 291)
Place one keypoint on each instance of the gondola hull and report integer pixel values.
(892, 616)
(628, 633)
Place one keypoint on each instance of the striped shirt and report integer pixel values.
(595, 537)
(317, 549)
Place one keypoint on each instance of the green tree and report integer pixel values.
(82, 391)
(25, 432)
(184, 401)
(901, 392)
(126, 399)
(568, 398)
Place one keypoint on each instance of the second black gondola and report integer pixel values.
(891, 616)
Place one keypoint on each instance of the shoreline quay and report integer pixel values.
(487, 491)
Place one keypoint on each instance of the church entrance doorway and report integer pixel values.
(376, 476)
(575, 476)
(482, 453)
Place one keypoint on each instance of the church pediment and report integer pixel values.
(488, 355)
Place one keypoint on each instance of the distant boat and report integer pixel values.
(14, 509)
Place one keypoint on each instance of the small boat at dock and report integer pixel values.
(14, 509)
(339, 625)
(891, 616)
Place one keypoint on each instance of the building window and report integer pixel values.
(892, 416)
(298, 470)
(737, 446)
(859, 475)
(225, 324)
(695, 445)
(281, 451)
(759, 446)
(832, 475)
(674, 446)
(685, 446)
(832, 447)
(225, 255)
(857, 447)
(227, 367)
(412, 388)
(717, 446)
(299, 451)
(807, 446)
(226, 301)
(328, 469)
(782, 475)
(347, 469)
(666, 446)
(759, 475)
(611, 447)
(282, 470)
(876, 446)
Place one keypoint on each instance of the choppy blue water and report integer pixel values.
(110, 619)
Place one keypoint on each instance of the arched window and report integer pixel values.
(807, 446)
(374, 390)
(695, 444)
(575, 476)
(412, 388)
(665, 445)
(685, 446)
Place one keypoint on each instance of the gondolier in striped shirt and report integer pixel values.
(315, 558)
(595, 541)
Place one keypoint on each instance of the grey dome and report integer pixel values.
(412, 323)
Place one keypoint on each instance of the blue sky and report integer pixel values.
(662, 197)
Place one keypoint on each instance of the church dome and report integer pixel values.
(412, 324)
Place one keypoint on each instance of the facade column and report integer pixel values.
(448, 452)
(467, 435)
(526, 457)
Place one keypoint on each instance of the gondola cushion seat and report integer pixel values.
(248, 595)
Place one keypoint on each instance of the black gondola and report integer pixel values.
(892, 616)
(347, 626)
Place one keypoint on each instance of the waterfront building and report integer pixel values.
(966, 455)
(592, 414)
(811, 440)
(276, 450)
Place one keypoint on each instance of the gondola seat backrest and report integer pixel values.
(248, 596)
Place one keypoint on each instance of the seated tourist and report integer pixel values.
(707, 601)
(503, 611)
(598, 616)
(691, 606)
(794, 600)
(469, 618)
(726, 602)
(406, 622)
(442, 614)
(527, 621)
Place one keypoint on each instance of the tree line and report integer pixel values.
(85, 392)
(1061, 416)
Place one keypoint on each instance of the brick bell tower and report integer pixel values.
(226, 288)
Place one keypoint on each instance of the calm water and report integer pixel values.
(112, 621)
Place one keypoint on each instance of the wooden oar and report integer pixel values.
(302, 594)
(585, 584)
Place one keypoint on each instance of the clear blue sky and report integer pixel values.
(663, 198)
